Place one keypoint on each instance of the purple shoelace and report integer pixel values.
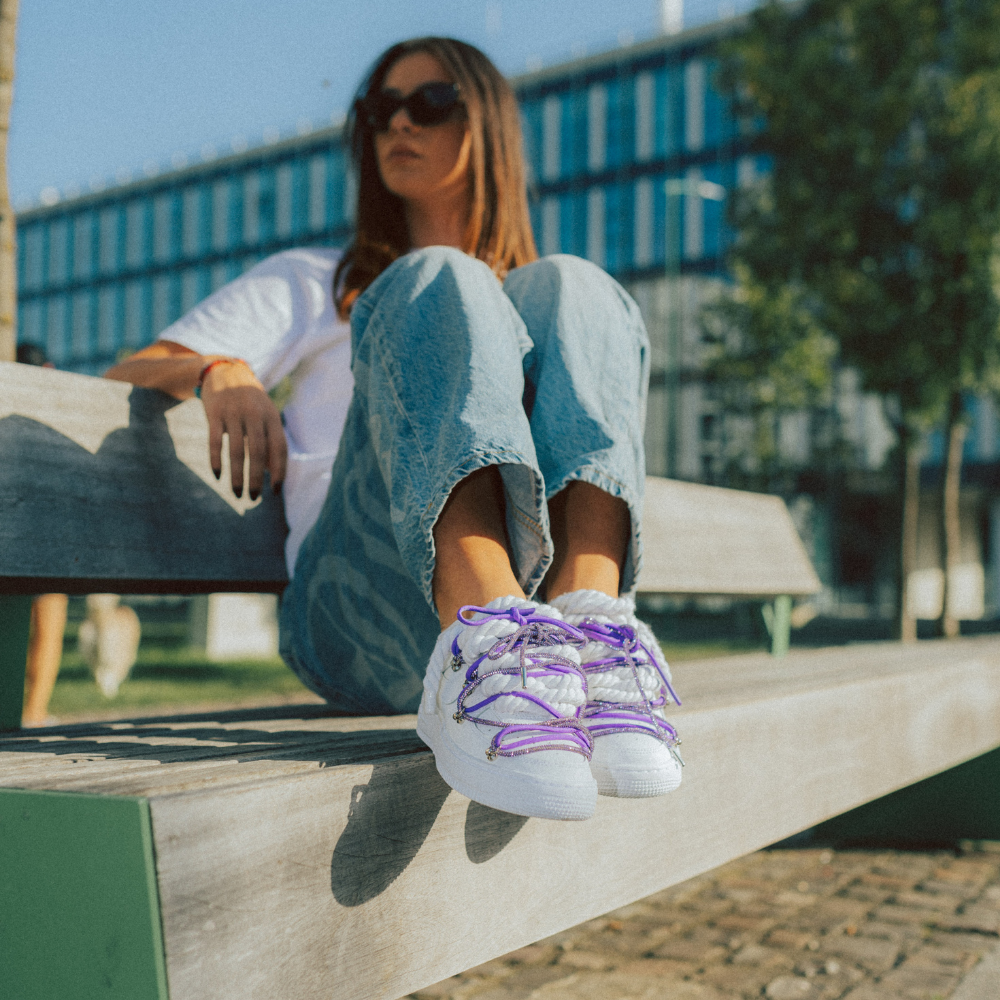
(533, 634)
(607, 717)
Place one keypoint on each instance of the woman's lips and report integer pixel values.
(403, 153)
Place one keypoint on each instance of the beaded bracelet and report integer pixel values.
(211, 365)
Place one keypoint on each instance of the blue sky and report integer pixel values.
(108, 88)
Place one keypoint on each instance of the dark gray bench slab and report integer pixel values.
(106, 487)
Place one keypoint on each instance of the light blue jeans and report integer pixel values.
(544, 376)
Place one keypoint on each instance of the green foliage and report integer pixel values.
(874, 236)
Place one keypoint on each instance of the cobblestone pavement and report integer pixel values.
(781, 924)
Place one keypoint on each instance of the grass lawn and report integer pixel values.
(166, 676)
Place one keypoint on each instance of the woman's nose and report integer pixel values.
(401, 121)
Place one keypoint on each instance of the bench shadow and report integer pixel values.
(203, 739)
(186, 529)
(488, 831)
(388, 822)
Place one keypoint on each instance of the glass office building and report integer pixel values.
(102, 274)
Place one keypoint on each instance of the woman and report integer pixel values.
(492, 448)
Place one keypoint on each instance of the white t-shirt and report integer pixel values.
(280, 318)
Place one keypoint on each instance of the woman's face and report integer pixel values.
(423, 165)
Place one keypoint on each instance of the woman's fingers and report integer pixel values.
(277, 451)
(215, 432)
(236, 454)
(247, 416)
(256, 442)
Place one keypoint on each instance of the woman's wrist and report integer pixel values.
(213, 363)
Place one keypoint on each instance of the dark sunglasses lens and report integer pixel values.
(378, 109)
(433, 103)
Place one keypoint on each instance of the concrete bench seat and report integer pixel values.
(294, 853)
(289, 853)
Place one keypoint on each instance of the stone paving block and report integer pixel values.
(874, 954)
(597, 986)
(982, 918)
(743, 980)
(796, 939)
(920, 984)
(920, 899)
(889, 913)
(587, 959)
(663, 967)
(790, 988)
(770, 958)
(744, 924)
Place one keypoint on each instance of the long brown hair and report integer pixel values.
(499, 230)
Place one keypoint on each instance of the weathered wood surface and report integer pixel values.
(708, 540)
(107, 487)
(307, 856)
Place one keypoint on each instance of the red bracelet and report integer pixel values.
(211, 365)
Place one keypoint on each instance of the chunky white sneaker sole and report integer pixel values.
(526, 786)
(548, 783)
(633, 766)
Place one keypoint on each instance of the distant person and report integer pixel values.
(490, 451)
(48, 618)
(109, 641)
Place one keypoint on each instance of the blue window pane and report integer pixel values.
(621, 122)
(336, 191)
(58, 251)
(29, 323)
(300, 197)
(535, 211)
(235, 219)
(669, 111)
(715, 212)
(718, 121)
(614, 124)
(619, 227)
(56, 319)
(573, 224)
(531, 123)
(573, 141)
(266, 207)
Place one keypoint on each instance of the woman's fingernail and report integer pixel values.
(254, 494)
(276, 488)
(216, 473)
(238, 490)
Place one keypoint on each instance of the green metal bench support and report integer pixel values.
(15, 620)
(79, 905)
(778, 619)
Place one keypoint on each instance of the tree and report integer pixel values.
(881, 213)
(8, 234)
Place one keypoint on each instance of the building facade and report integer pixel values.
(632, 153)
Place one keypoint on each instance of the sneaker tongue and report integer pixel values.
(579, 605)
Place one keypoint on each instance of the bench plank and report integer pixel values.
(708, 540)
(104, 486)
(306, 855)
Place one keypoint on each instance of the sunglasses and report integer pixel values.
(431, 104)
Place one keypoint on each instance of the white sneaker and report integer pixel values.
(635, 748)
(501, 709)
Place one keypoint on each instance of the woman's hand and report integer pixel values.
(237, 404)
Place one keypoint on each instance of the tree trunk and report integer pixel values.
(951, 527)
(910, 448)
(8, 235)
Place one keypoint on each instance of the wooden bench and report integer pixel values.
(294, 853)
